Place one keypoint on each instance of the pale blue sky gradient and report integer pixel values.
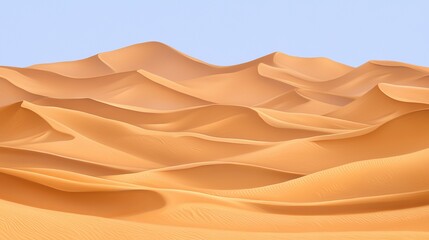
(221, 32)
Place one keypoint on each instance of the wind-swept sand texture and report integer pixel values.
(146, 142)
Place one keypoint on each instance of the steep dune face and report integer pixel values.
(367, 76)
(391, 103)
(12, 94)
(147, 142)
(135, 88)
(318, 69)
(242, 87)
(303, 101)
(207, 176)
(353, 83)
(384, 177)
(13, 157)
(74, 196)
(89, 67)
(20, 125)
(152, 57)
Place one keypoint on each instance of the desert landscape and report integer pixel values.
(146, 142)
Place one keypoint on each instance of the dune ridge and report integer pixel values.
(146, 142)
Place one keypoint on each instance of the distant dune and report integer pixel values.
(145, 142)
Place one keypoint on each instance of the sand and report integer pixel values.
(145, 142)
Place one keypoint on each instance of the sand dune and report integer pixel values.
(222, 88)
(353, 83)
(150, 56)
(20, 125)
(368, 75)
(392, 102)
(33, 159)
(12, 94)
(319, 69)
(191, 176)
(135, 88)
(299, 102)
(145, 142)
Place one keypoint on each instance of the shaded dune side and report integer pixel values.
(146, 145)
(18, 124)
(315, 68)
(420, 82)
(295, 101)
(404, 134)
(208, 176)
(136, 88)
(12, 94)
(204, 206)
(409, 94)
(369, 178)
(106, 203)
(325, 97)
(168, 118)
(391, 183)
(152, 56)
(407, 133)
(314, 120)
(354, 83)
(92, 66)
(21, 158)
(389, 105)
(368, 75)
(229, 122)
(242, 87)
(215, 120)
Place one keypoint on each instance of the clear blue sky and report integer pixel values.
(221, 32)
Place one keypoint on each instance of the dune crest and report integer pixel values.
(146, 142)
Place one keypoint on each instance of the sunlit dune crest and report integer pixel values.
(145, 142)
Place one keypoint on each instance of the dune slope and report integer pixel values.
(146, 142)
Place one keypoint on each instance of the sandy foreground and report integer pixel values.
(146, 142)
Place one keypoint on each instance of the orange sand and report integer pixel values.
(145, 142)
